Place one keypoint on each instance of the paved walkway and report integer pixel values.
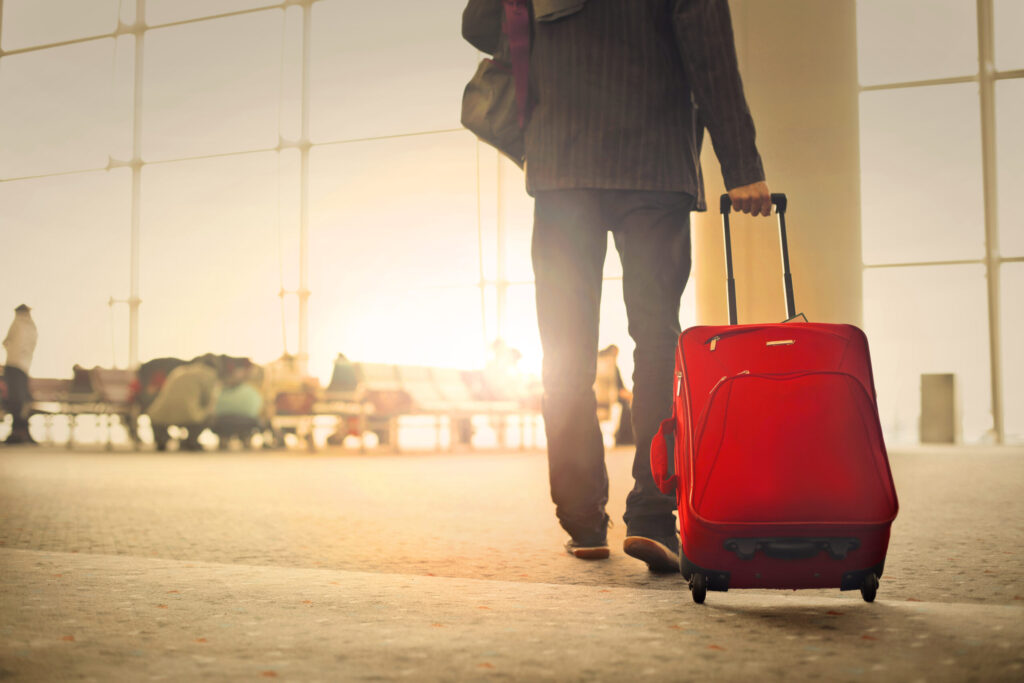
(135, 566)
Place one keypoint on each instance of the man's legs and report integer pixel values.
(19, 402)
(653, 239)
(568, 250)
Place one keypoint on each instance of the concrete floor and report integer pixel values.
(135, 566)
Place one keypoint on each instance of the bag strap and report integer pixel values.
(517, 28)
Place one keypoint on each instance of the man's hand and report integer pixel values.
(754, 199)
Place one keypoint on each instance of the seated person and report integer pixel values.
(239, 409)
(186, 400)
(149, 380)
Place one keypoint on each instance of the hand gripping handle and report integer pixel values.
(778, 199)
(781, 204)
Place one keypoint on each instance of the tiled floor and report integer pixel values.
(132, 566)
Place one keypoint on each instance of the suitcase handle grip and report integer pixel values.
(791, 548)
(778, 199)
(781, 204)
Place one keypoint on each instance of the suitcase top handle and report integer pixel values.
(781, 204)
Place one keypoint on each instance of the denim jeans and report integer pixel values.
(651, 231)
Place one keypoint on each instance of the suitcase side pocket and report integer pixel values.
(663, 461)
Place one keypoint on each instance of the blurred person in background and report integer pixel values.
(20, 345)
(239, 411)
(146, 387)
(187, 400)
(288, 391)
(611, 390)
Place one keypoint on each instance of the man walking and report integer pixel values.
(621, 93)
(20, 345)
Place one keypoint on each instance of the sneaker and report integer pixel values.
(661, 555)
(587, 551)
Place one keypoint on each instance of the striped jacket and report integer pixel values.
(621, 94)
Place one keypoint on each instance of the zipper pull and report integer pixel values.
(714, 341)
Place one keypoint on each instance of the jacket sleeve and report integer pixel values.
(703, 30)
(481, 24)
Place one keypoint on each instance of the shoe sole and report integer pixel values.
(658, 556)
(595, 553)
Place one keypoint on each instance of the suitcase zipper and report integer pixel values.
(713, 341)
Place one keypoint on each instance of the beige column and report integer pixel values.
(798, 59)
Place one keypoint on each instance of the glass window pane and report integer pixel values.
(915, 40)
(1009, 18)
(437, 327)
(211, 258)
(520, 326)
(389, 218)
(377, 71)
(921, 176)
(516, 214)
(614, 327)
(166, 11)
(1010, 160)
(212, 87)
(66, 253)
(1012, 351)
(929, 319)
(60, 111)
(491, 198)
(688, 305)
(44, 22)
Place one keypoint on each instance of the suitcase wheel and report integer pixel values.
(699, 587)
(869, 588)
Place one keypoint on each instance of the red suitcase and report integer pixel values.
(775, 453)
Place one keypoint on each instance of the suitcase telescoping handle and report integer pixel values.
(779, 200)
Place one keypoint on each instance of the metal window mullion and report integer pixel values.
(120, 31)
(915, 264)
(986, 82)
(480, 249)
(394, 136)
(200, 157)
(57, 174)
(304, 149)
(222, 15)
(134, 300)
(130, 29)
(1005, 75)
(919, 84)
(501, 285)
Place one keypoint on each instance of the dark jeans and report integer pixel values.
(652, 235)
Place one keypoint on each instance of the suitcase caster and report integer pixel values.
(698, 587)
(869, 588)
